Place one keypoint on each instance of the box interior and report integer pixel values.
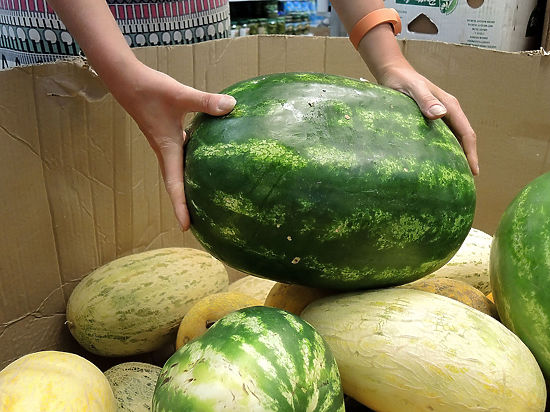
(80, 185)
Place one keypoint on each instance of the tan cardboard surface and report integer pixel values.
(80, 186)
(545, 43)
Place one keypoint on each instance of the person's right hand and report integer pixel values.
(434, 103)
(158, 103)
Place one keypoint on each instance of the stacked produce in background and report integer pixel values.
(367, 284)
(275, 17)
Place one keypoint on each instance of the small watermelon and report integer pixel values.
(253, 359)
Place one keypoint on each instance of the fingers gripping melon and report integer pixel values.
(327, 181)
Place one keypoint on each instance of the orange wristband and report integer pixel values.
(373, 19)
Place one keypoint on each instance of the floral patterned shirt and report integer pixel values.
(31, 32)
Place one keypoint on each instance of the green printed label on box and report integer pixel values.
(445, 6)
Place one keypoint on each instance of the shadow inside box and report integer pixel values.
(353, 406)
(157, 357)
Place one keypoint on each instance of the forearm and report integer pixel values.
(92, 24)
(378, 47)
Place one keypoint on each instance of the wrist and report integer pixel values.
(121, 75)
(381, 51)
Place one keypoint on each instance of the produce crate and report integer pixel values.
(80, 186)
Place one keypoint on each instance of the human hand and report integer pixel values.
(434, 103)
(158, 103)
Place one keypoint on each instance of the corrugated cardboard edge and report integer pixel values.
(80, 185)
(545, 44)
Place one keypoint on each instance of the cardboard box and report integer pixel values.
(545, 42)
(507, 25)
(79, 185)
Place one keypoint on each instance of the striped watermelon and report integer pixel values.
(254, 359)
(520, 268)
(328, 182)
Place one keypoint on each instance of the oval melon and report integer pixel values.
(470, 264)
(207, 311)
(457, 290)
(252, 285)
(134, 304)
(53, 381)
(328, 182)
(294, 298)
(402, 349)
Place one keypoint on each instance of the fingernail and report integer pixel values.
(437, 110)
(226, 103)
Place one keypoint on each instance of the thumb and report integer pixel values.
(212, 103)
(429, 105)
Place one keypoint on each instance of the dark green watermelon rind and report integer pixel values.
(373, 208)
(281, 359)
(520, 268)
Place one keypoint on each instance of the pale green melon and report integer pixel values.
(471, 263)
(402, 349)
(253, 286)
(135, 304)
(133, 385)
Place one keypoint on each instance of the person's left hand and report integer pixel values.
(434, 103)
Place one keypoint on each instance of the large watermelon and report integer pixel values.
(327, 181)
(253, 359)
(520, 268)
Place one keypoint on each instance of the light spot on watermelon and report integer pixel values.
(261, 360)
(291, 319)
(343, 228)
(539, 324)
(330, 156)
(407, 229)
(264, 152)
(237, 203)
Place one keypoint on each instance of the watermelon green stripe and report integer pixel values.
(520, 266)
(351, 172)
(259, 358)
